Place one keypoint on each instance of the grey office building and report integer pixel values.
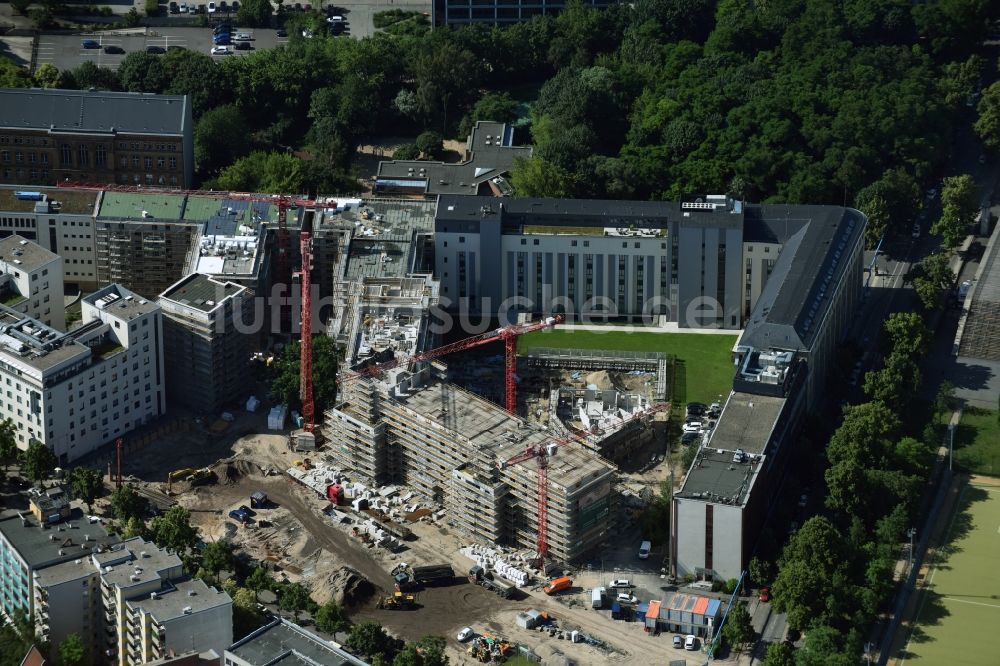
(623, 259)
(460, 12)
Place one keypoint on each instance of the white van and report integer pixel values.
(644, 549)
(597, 597)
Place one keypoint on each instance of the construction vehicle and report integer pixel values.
(558, 585)
(398, 601)
(195, 477)
(479, 576)
(407, 578)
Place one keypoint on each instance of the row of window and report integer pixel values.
(149, 178)
(19, 157)
(36, 175)
(24, 140)
(158, 147)
(147, 162)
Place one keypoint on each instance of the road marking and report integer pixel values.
(974, 603)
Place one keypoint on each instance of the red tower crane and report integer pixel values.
(509, 336)
(541, 453)
(305, 349)
(283, 202)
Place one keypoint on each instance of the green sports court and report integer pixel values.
(958, 612)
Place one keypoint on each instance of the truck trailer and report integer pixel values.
(479, 576)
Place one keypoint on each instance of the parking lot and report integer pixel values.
(67, 52)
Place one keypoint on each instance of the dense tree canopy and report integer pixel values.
(285, 382)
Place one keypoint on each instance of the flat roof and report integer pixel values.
(136, 558)
(58, 110)
(30, 342)
(201, 292)
(24, 254)
(125, 304)
(72, 202)
(714, 477)
(166, 207)
(491, 154)
(746, 422)
(39, 544)
(82, 567)
(181, 598)
(384, 247)
(283, 642)
(526, 210)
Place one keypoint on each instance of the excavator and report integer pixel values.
(191, 475)
(398, 601)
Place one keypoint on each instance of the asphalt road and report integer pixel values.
(67, 52)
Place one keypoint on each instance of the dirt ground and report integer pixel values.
(368, 156)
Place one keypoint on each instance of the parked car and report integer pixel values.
(222, 40)
(91, 44)
(696, 408)
(765, 594)
(174, 9)
(234, 5)
(620, 583)
(690, 643)
(243, 37)
(220, 50)
(465, 634)
(222, 27)
(678, 641)
(222, 6)
(211, 8)
(281, 33)
(114, 50)
(916, 230)
(693, 426)
(183, 9)
(689, 437)
(626, 598)
(243, 46)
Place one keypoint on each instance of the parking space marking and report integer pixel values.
(974, 603)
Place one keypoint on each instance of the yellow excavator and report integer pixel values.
(191, 475)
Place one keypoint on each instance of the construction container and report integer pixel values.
(258, 499)
(276, 417)
(252, 404)
(524, 621)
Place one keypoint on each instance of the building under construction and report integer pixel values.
(448, 445)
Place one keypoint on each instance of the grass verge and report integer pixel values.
(977, 442)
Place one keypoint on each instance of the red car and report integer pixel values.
(765, 594)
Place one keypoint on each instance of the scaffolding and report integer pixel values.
(616, 361)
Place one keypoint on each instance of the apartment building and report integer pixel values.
(76, 391)
(31, 281)
(49, 136)
(207, 341)
(498, 12)
(282, 641)
(449, 446)
(783, 359)
(59, 220)
(619, 259)
(29, 546)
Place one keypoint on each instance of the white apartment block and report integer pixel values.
(76, 391)
(62, 222)
(31, 281)
(131, 604)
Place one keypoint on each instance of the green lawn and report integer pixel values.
(959, 611)
(705, 369)
(977, 442)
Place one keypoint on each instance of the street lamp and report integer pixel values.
(951, 442)
(869, 646)
(910, 533)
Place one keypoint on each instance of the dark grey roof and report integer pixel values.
(284, 642)
(94, 111)
(815, 257)
(40, 545)
(201, 292)
(491, 153)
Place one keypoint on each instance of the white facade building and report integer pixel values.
(31, 281)
(76, 391)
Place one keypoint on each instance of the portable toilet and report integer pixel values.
(640, 612)
(652, 616)
(616, 611)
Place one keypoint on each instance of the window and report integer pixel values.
(18, 156)
(65, 155)
(173, 162)
(148, 161)
(159, 162)
(83, 155)
(101, 155)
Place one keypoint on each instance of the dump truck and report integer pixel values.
(479, 576)
(407, 578)
(398, 601)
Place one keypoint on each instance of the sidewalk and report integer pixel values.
(668, 327)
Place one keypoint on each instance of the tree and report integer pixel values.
(780, 654)
(88, 75)
(142, 72)
(369, 640)
(173, 530)
(12, 76)
(809, 573)
(259, 580)
(218, 556)
(87, 484)
(493, 106)
(193, 73)
(944, 400)
(255, 13)
(285, 382)
(245, 598)
(263, 172)
(220, 137)
(895, 382)
(959, 208)
(295, 597)
(430, 144)
(931, 277)
(331, 618)
(132, 18)
(127, 503)
(47, 76)
(408, 151)
(134, 527)
(738, 629)
(761, 571)
(37, 461)
(825, 646)
(72, 651)
(13, 646)
(428, 651)
(20, 6)
(8, 443)
(906, 334)
(988, 123)
(445, 75)
(535, 177)
(875, 208)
